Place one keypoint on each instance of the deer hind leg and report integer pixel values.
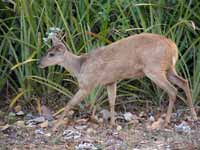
(78, 97)
(183, 84)
(160, 79)
(111, 89)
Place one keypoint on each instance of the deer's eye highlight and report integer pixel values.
(51, 54)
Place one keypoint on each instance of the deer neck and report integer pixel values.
(72, 63)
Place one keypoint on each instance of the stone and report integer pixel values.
(20, 113)
(20, 123)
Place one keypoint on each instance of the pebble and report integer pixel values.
(119, 128)
(20, 113)
(183, 127)
(20, 123)
(128, 116)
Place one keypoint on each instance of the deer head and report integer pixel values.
(55, 55)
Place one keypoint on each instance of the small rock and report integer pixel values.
(39, 131)
(17, 108)
(81, 127)
(44, 124)
(48, 134)
(20, 113)
(35, 121)
(151, 119)
(39, 119)
(71, 134)
(119, 128)
(142, 114)
(183, 127)
(20, 123)
(128, 116)
(86, 146)
(29, 116)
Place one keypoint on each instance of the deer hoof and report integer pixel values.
(194, 116)
(56, 126)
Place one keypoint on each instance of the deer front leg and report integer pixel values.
(78, 97)
(111, 89)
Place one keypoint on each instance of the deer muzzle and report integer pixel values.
(40, 64)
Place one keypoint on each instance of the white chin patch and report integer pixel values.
(173, 60)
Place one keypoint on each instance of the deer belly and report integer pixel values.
(119, 73)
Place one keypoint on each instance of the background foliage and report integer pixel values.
(88, 24)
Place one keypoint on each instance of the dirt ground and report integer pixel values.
(86, 135)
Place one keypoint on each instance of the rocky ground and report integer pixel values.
(133, 132)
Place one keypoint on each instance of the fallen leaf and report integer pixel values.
(5, 127)
(91, 131)
(157, 124)
(45, 124)
(82, 120)
(58, 123)
(134, 122)
(18, 108)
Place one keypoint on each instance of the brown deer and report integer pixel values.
(136, 56)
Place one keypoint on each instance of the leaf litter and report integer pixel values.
(133, 132)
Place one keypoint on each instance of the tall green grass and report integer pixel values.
(89, 24)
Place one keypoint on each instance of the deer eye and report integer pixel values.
(51, 54)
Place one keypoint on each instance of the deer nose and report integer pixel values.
(40, 64)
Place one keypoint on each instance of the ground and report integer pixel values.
(84, 134)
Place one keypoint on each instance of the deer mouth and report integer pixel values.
(40, 65)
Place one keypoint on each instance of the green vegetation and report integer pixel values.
(88, 24)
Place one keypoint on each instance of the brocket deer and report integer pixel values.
(150, 55)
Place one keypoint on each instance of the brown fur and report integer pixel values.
(136, 56)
